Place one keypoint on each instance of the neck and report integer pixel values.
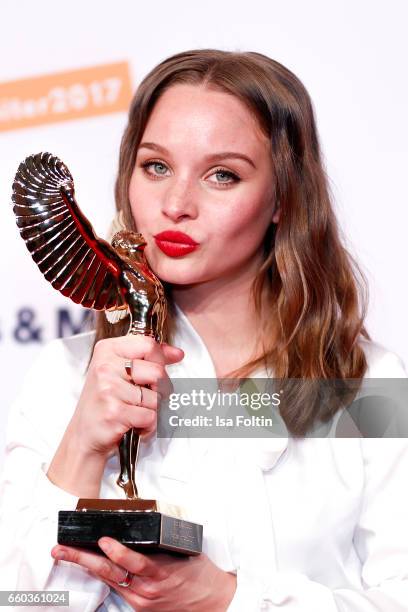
(223, 313)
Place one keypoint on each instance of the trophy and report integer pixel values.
(115, 278)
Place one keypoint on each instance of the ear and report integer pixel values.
(276, 213)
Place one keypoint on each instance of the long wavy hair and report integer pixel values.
(317, 293)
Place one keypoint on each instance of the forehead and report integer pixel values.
(204, 117)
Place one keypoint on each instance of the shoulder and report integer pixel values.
(57, 371)
(47, 397)
(382, 363)
(77, 349)
(72, 352)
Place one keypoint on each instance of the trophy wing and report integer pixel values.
(60, 238)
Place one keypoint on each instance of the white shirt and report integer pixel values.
(308, 525)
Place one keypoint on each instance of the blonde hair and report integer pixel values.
(317, 294)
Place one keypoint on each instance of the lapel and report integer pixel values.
(179, 455)
(266, 452)
(241, 480)
(253, 521)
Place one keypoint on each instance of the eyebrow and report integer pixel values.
(209, 158)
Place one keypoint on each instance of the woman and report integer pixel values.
(221, 148)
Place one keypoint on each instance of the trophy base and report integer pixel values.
(145, 530)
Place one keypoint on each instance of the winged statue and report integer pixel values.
(115, 278)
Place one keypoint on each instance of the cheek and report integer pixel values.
(136, 199)
(245, 219)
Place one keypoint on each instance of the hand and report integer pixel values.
(160, 583)
(110, 403)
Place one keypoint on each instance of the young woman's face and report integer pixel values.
(203, 168)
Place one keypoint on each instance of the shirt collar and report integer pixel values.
(197, 363)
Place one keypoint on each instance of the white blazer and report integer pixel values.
(309, 525)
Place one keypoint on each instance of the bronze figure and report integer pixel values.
(115, 278)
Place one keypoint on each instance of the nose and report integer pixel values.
(179, 201)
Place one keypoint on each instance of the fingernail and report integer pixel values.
(59, 555)
(106, 547)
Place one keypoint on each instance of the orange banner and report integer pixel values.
(87, 92)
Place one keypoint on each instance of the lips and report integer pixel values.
(175, 244)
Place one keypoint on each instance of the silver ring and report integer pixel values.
(127, 581)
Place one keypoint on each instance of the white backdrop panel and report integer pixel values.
(350, 55)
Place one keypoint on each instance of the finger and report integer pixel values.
(137, 417)
(132, 346)
(96, 563)
(115, 352)
(147, 348)
(132, 394)
(172, 354)
(141, 589)
(146, 372)
(152, 374)
(135, 562)
(163, 353)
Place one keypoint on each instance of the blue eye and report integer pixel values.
(156, 169)
(159, 167)
(226, 177)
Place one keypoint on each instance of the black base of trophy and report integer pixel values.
(146, 532)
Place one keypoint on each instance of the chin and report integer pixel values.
(176, 278)
(177, 271)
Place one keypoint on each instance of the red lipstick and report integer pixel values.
(175, 244)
